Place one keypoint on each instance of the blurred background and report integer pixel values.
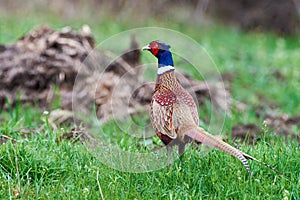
(281, 17)
(43, 43)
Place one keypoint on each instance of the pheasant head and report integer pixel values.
(162, 52)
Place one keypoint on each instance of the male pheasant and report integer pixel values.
(174, 114)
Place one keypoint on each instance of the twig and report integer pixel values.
(99, 186)
(9, 190)
(8, 138)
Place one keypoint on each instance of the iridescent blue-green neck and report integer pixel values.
(165, 62)
(165, 58)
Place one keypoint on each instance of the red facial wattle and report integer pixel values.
(154, 51)
(154, 48)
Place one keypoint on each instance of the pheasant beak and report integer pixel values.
(146, 48)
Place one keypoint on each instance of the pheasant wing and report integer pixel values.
(162, 107)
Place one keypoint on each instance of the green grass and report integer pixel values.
(41, 168)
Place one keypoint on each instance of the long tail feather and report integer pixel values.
(200, 135)
(263, 163)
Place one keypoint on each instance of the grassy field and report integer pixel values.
(35, 166)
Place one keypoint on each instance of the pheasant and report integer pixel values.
(174, 115)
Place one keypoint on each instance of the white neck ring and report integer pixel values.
(163, 69)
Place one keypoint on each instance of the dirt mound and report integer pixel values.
(42, 66)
